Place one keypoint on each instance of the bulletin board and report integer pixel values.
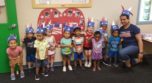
(61, 3)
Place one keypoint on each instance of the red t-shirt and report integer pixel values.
(14, 53)
(87, 40)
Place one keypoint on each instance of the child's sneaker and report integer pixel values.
(13, 77)
(64, 68)
(89, 64)
(115, 65)
(22, 75)
(99, 68)
(94, 69)
(46, 75)
(37, 77)
(70, 67)
(52, 69)
(86, 64)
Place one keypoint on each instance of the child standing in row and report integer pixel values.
(66, 48)
(41, 46)
(88, 43)
(97, 42)
(78, 46)
(29, 45)
(15, 55)
(113, 44)
(52, 44)
(103, 30)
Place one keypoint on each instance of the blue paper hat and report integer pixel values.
(103, 22)
(49, 27)
(11, 37)
(40, 30)
(67, 29)
(127, 11)
(114, 27)
(90, 23)
(29, 30)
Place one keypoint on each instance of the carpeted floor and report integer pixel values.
(139, 74)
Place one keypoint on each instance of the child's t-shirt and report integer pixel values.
(14, 53)
(97, 45)
(114, 43)
(78, 41)
(104, 34)
(41, 46)
(66, 50)
(29, 44)
(51, 43)
(88, 40)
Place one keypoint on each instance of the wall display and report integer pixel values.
(61, 3)
(71, 16)
(145, 11)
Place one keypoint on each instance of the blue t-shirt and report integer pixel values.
(128, 35)
(66, 50)
(114, 43)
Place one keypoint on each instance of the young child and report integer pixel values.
(41, 46)
(113, 44)
(78, 47)
(52, 44)
(66, 48)
(103, 30)
(88, 43)
(15, 55)
(97, 42)
(29, 45)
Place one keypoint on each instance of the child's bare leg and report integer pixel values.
(12, 65)
(52, 60)
(98, 65)
(64, 61)
(94, 65)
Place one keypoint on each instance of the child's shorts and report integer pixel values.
(78, 56)
(41, 63)
(30, 58)
(67, 55)
(113, 53)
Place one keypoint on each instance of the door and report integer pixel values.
(8, 27)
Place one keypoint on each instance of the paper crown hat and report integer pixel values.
(49, 27)
(103, 22)
(67, 28)
(29, 29)
(11, 37)
(114, 27)
(126, 11)
(40, 30)
(90, 22)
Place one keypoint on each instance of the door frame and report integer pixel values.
(6, 31)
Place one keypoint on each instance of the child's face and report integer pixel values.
(89, 30)
(40, 37)
(97, 37)
(77, 32)
(104, 27)
(115, 33)
(49, 32)
(12, 43)
(66, 34)
(29, 35)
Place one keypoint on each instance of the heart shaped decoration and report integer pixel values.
(54, 16)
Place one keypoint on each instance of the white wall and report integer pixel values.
(108, 8)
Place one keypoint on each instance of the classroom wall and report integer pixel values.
(108, 8)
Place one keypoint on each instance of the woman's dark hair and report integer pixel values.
(125, 15)
(97, 33)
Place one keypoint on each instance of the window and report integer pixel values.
(145, 12)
